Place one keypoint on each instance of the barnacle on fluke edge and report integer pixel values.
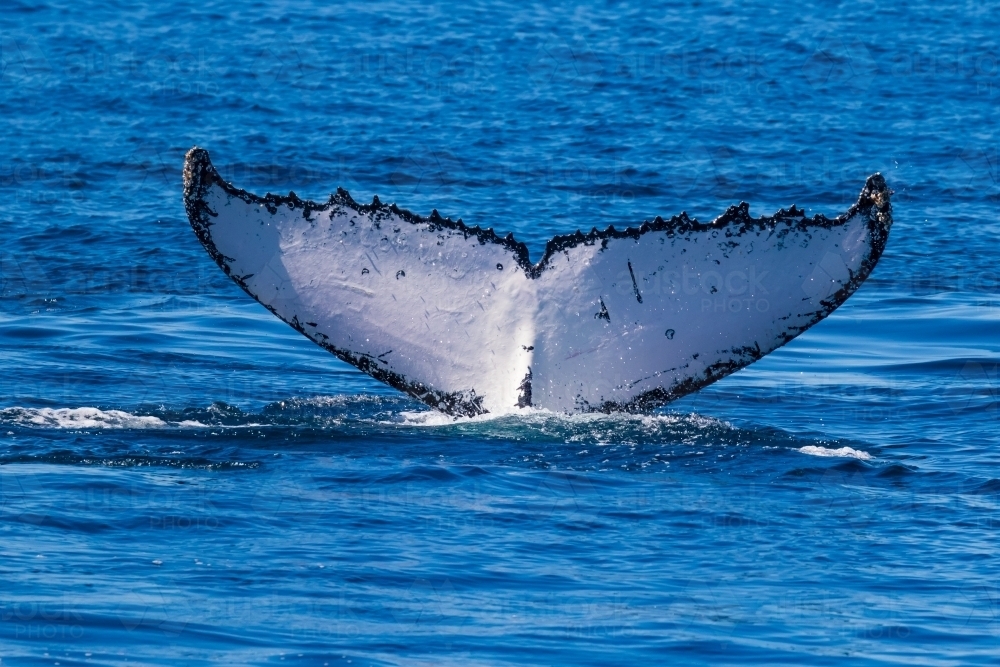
(461, 319)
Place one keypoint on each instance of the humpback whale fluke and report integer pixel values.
(459, 318)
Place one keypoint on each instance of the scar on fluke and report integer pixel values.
(635, 287)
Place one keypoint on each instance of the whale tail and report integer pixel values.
(461, 319)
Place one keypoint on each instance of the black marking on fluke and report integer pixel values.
(874, 202)
(524, 398)
(603, 315)
(635, 287)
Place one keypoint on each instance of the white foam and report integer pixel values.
(538, 416)
(84, 418)
(435, 418)
(846, 452)
(75, 418)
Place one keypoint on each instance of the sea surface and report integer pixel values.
(185, 480)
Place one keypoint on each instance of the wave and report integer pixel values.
(78, 418)
(845, 452)
(329, 411)
(124, 460)
(358, 425)
(85, 418)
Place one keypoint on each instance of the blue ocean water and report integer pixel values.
(186, 480)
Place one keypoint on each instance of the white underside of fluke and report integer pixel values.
(605, 321)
